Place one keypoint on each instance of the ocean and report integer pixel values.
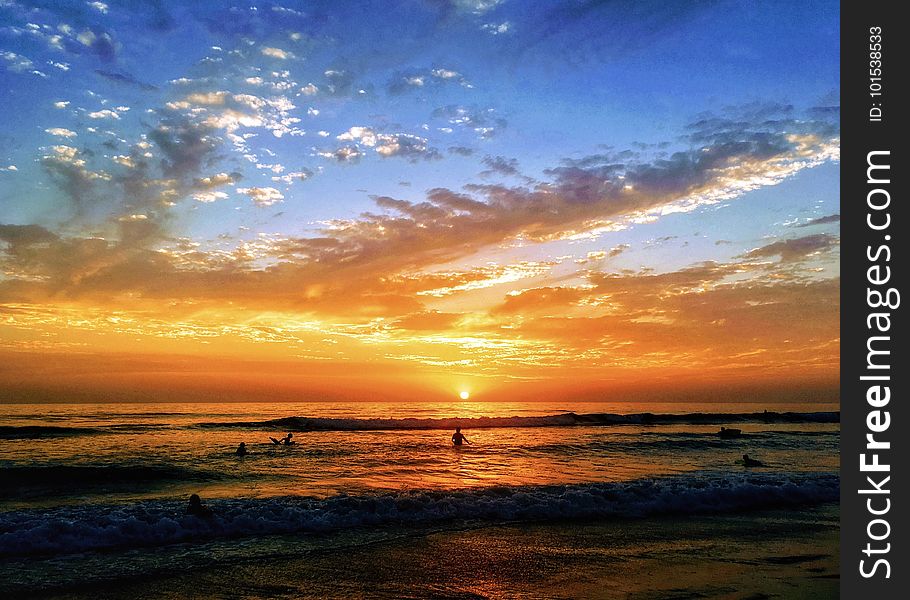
(97, 494)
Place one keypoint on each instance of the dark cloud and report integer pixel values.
(501, 165)
(796, 248)
(66, 166)
(186, 145)
(339, 82)
(616, 160)
(825, 112)
(424, 80)
(24, 235)
(102, 45)
(461, 150)
(125, 78)
(483, 121)
(821, 221)
(617, 250)
(154, 15)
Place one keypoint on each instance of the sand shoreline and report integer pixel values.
(771, 554)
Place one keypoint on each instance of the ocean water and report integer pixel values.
(92, 484)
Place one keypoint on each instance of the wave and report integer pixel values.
(34, 432)
(88, 528)
(15, 479)
(568, 419)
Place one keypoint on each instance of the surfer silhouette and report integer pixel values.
(197, 508)
(286, 440)
(458, 437)
(241, 449)
(751, 462)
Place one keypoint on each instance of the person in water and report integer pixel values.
(197, 508)
(241, 449)
(458, 437)
(286, 440)
(751, 462)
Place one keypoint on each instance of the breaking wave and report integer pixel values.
(73, 529)
(568, 419)
(33, 432)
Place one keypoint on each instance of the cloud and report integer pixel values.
(821, 221)
(539, 299)
(461, 150)
(61, 132)
(25, 235)
(20, 64)
(217, 180)
(344, 154)
(498, 28)
(124, 161)
(427, 79)
(387, 145)
(365, 264)
(428, 321)
(125, 78)
(262, 196)
(501, 165)
(721, 327)
(477, 7)
(207, 197)
(186, 146)
(68, 167)
(600, 255)
(293, 176)
(617, 250)
(276, 53)
(100, 43)
(484, 122)
(105, 113)
(222, 110)
(797, 248)
(480, 278)
(338, 82)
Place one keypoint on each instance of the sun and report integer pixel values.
(464, 395)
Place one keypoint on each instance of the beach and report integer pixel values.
(770, 554)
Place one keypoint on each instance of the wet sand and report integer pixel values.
(746, 556)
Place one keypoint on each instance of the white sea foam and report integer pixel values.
(72, 529)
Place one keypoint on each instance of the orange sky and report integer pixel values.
(711, 326)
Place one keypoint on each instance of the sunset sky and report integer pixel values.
(415, 199)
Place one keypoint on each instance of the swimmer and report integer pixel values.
(751, 462)
(458, 437)
(197, 508)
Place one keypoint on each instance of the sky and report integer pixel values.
(407, 200)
